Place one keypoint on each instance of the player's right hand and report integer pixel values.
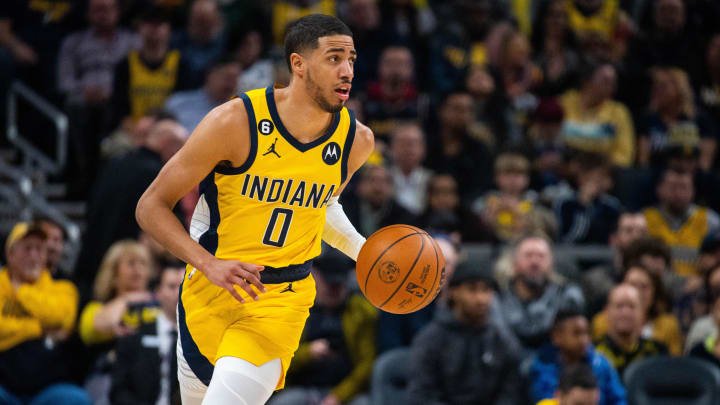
(230, 273)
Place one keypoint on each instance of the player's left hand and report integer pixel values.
(330, 400)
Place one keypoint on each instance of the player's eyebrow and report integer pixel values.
(331, 50)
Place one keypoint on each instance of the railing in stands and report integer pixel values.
(21, 196)
(32, 156)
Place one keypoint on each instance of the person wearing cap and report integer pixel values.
(146, 77)
(464, 355)
(336, 354)
(511, 210)
(37, 314)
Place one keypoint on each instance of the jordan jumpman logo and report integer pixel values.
(288, 288)
(271, 149)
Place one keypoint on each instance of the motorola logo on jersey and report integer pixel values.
(331, 153)
(266, 127)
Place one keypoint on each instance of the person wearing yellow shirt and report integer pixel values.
(659, 324)
(37, 314)
(122, 300)
(577, 386)
(594, 122)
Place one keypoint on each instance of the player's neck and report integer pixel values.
(302, 117)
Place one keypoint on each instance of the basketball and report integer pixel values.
(400, 269)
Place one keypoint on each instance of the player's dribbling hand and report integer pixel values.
(230, 273)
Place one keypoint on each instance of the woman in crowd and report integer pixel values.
(660, 324)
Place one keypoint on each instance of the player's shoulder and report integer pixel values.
(364, 137)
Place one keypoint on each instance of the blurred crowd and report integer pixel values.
(523, 125)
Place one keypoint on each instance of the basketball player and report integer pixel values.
(271, 165)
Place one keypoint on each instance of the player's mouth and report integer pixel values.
(343, 92)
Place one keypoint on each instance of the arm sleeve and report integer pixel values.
(86, 327)
(363, 352)
(55, 304)
(543, 379)
(339, 232)
(613, 389)
(623, 152)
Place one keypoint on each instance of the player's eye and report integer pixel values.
(333, 58)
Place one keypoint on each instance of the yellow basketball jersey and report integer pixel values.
(684, 242)
(150, 88)
(271, 210)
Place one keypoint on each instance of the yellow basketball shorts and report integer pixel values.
(212, 324)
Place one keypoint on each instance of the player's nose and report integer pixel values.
(346, 71)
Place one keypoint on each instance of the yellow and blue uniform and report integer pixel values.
(268, 211)
(685, 240)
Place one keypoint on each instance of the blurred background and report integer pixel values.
(562, 152)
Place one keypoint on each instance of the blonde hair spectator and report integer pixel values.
(105, 287)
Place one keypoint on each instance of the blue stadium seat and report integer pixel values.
(672, 381)
(390, 378)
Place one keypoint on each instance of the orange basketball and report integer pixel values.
(400, 269)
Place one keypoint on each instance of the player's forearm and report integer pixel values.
(157, 218)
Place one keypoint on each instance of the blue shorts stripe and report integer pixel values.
(199, 364)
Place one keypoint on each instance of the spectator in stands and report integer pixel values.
(465, 337)
(54, 245)
(659, 322)
(363, 18)
(30, 36)
(512, 210)
(203, 40)
(602, 19)
(534, 293)
(111, 207)
(624, 344)
(704, 326)
(407, 148)
(519, 77)
(160, 257)
(673, 125)
(709, 348)
(446, 213)
(455, 149)
(37, 314)
(336, 354)
(396, 330)
(546, 143)
(285, 12)
(570, 346)
(146, 373)
(490, 106)
(459, 44)
(669, 41)
(577, 385)
(191, 106)
(708, 90)
(597, 282)
(257, 69)
(85, 78)
(596, 123)
(393, 95)
(554, 48)
(679, 222)
(374, 206)
(121, 298)
(147, 77)
(590, 214)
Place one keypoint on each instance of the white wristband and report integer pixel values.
(339, 232)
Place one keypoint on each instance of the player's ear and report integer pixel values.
(298, 63)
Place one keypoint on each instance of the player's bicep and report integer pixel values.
(363, 145)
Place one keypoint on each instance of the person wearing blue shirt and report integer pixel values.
(570, 345)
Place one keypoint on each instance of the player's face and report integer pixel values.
(330, 72)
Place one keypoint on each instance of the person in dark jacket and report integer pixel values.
(463, 357)
(111, 207)
(570, 345)
(146, 367)
(374, 205)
